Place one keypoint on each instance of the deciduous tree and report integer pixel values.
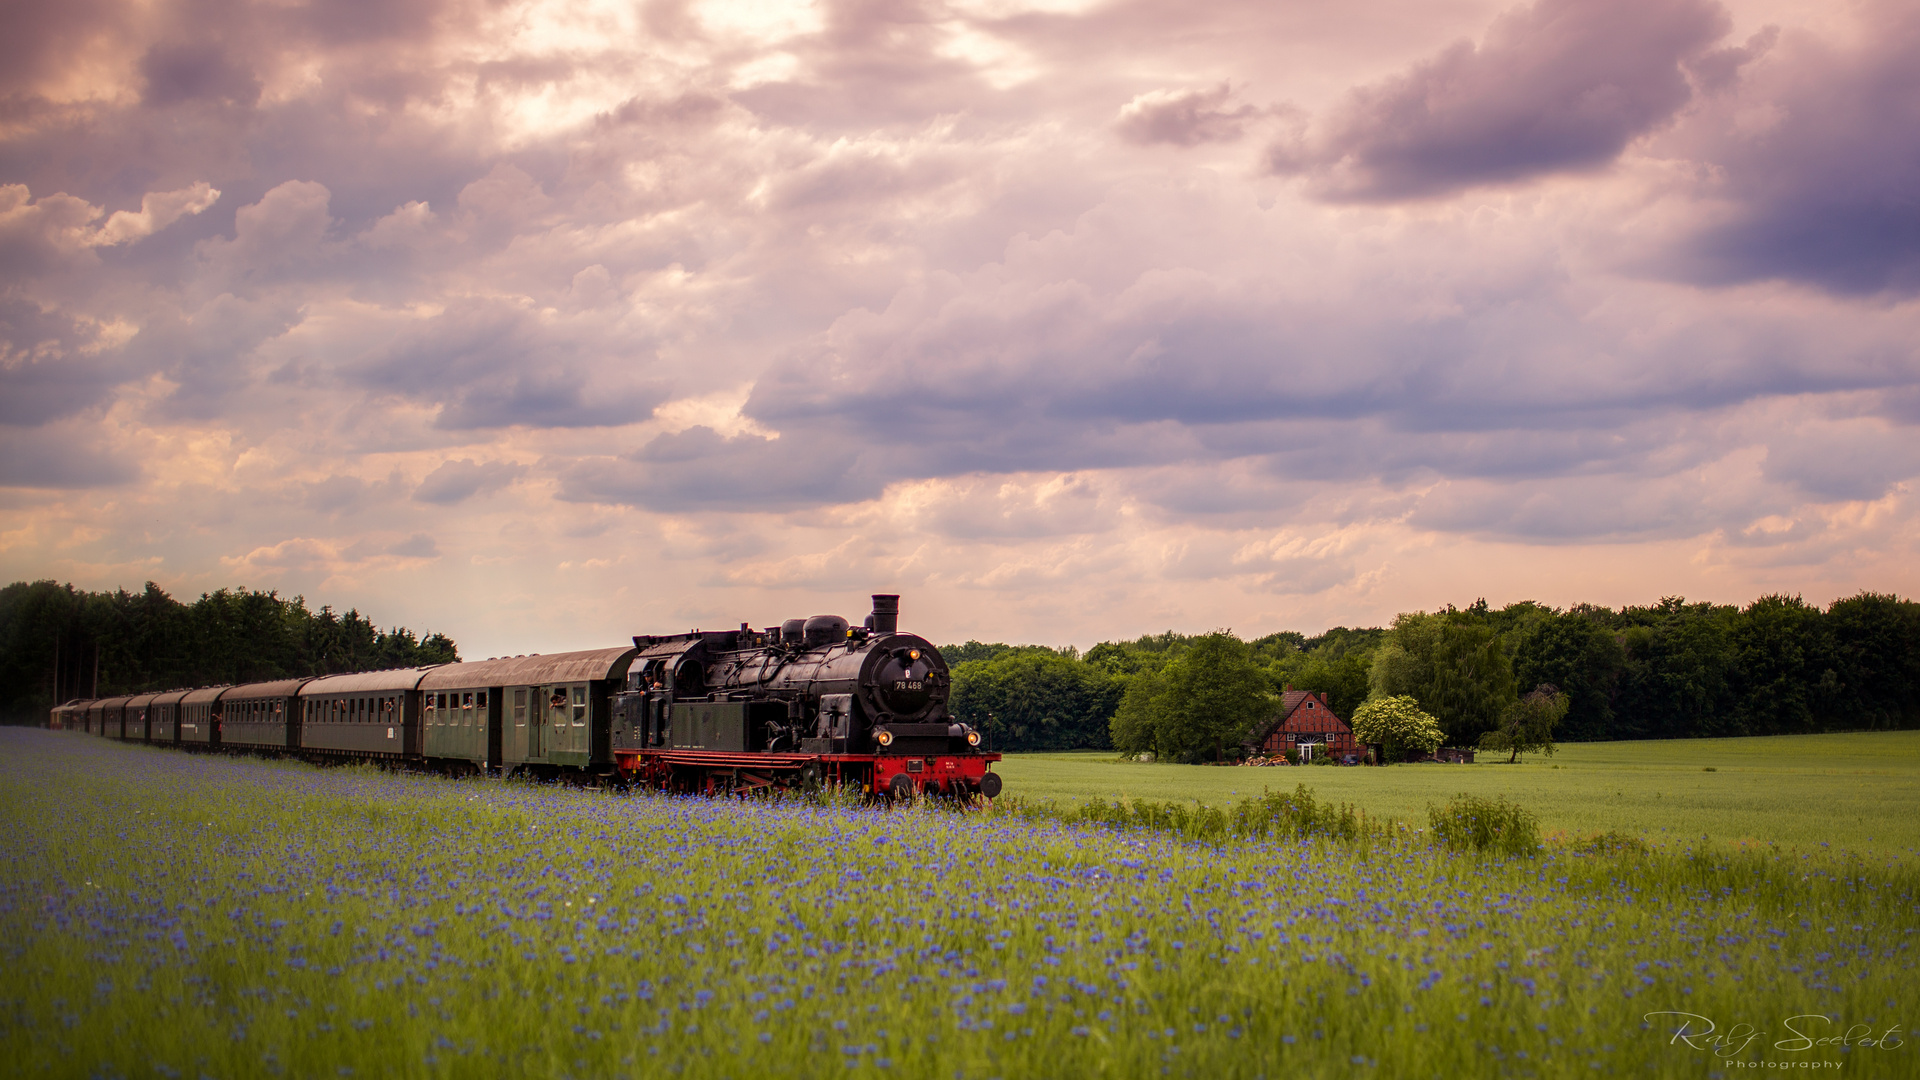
(1527, 726)
(1398, 726)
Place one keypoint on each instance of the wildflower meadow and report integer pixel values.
(177, 915)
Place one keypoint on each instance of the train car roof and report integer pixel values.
(276, 688)
(170, 697)
(205, 694)
(365, 682)
(584, 666)
(106, 703)
(139, 700)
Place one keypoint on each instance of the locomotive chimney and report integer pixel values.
(886, 613)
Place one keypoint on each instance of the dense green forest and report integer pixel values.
(1668, 670)
(58, 642)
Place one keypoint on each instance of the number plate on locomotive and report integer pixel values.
(909, 684)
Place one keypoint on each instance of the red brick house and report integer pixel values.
(1304, 717)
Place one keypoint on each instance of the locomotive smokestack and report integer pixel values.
(886, 613)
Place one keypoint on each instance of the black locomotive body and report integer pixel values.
(811, 702)
(805, 703)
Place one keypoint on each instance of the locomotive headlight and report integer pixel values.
(913, 654)
(883, 737)
(973, 737)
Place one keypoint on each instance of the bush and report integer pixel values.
(1610, 843)
(1473, 823)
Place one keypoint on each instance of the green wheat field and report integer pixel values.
(164, 914)
(1857, 791)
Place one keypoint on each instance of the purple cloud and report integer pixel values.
(1561, 86)
(1183, 117)
(1817, 167)
(459, 480)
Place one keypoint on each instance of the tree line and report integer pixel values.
(1667, 670)
(58, 643)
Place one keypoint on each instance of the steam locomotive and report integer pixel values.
(798, 706)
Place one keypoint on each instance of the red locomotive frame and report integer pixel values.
(712, 772)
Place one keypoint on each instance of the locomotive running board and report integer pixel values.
(730, 760)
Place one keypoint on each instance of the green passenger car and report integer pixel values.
(260, 715)
(163, 717)
(139, 710)
(525, 713)
(369, 713)
(105, 715)
(197, 711)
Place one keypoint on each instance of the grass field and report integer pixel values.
(173, 915)
(1858, 791)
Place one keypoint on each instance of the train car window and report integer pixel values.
(467, 702)
(483, 699)
(519, 707)
(579, 705)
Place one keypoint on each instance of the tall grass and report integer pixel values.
(169, 915)
(1272, 815)
(1477, 823)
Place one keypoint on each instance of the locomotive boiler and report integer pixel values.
(806, 703)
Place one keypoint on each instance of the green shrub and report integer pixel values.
(1612, 842)
(1287, 816)
(1474, 823)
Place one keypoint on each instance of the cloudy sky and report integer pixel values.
(545, 323)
